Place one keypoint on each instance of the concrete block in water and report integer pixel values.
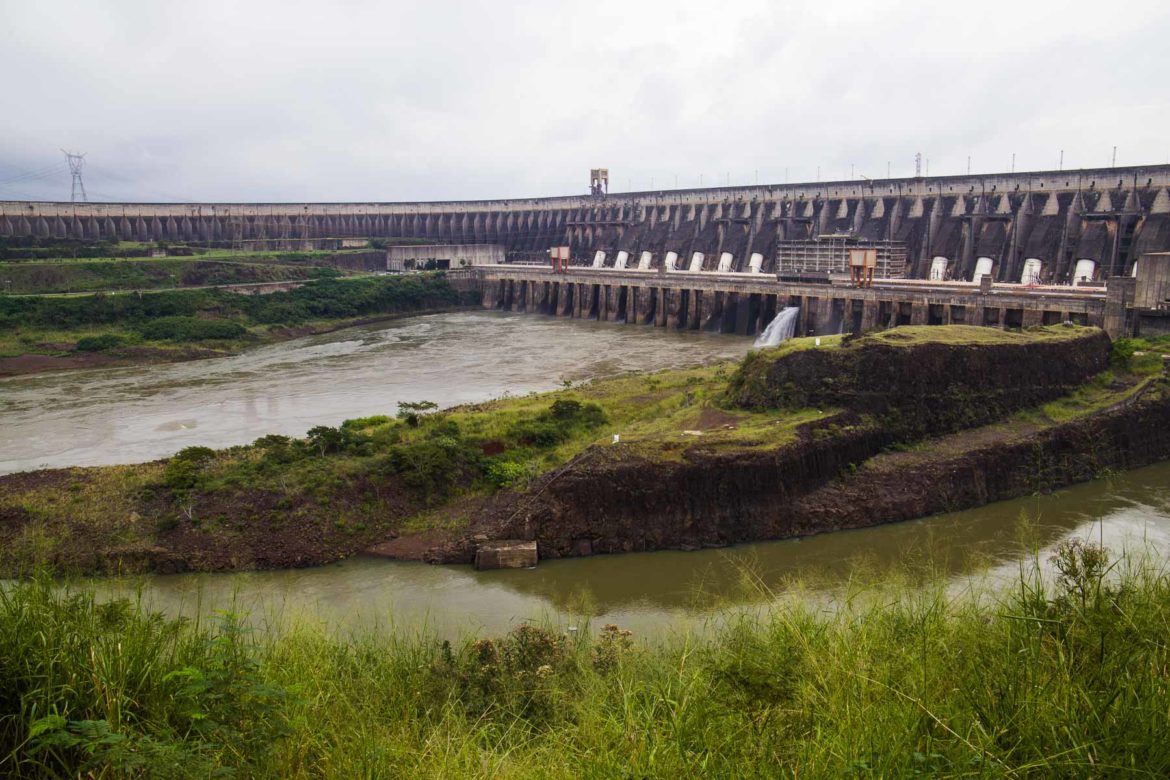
(506, 554)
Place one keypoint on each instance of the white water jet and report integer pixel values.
(1031, 273)
(938, 269)
(983, 268)
(781, 328)
(1085, 271)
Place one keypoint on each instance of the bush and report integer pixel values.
(432, 468)
(98, 343)
(190, 329)
(184, 471)
(360, 423)
(562, 420)
(505, 473)
(107, 689)
(283, 313)
(1121, 353)
(326, 440)
(280, 449)
(513, 677)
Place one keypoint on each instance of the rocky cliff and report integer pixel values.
(846, 471)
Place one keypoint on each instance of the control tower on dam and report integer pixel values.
(1041, 227)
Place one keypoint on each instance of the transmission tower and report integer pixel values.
(76, 163)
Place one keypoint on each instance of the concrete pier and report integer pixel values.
(746, 303)
(506, 554)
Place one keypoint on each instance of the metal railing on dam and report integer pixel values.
(745, 303)
(1045, 224)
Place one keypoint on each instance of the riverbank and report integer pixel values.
(49, 333)
(138, 355)
(693, 467)
(1059, 675)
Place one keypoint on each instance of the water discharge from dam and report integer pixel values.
(780, 329)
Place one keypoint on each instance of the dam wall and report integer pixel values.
(1042, 223)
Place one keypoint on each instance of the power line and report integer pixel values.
(51, 171)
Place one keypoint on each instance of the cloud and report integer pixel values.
(411, 101)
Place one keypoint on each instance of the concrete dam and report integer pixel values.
(1003, 250)
(1039, 223)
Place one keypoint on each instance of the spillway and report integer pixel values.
(780, 329)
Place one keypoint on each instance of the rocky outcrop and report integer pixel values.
(842, 472)
(925, 388)
(609, 501)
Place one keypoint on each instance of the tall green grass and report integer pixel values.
(1061, 676)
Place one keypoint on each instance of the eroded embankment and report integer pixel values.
(604, 502)
(840, 472)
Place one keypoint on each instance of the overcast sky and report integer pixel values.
(428, 100)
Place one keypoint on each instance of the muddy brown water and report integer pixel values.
(140, 413)
(126, 415)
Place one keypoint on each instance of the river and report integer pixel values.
(140, 413)
(668, 592)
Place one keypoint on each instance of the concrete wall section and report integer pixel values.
(401, 258)
(1110, 216)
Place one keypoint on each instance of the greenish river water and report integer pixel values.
(667, 592)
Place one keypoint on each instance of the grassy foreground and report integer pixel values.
(1052, 676)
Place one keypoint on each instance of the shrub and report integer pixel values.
(511, 677)
(360, 423)
(184, 471)
(98, 343)
(1121, 353)
(413, 411)
(432, 468)
(280, 449)
(190, 329)
(283, 313)
(505, 473)
(558, 424)
(326, 440)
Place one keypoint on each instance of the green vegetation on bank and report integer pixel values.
(347, 487)
(59, 250)
(228, 320)
(1051, 676)
(70, 276)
